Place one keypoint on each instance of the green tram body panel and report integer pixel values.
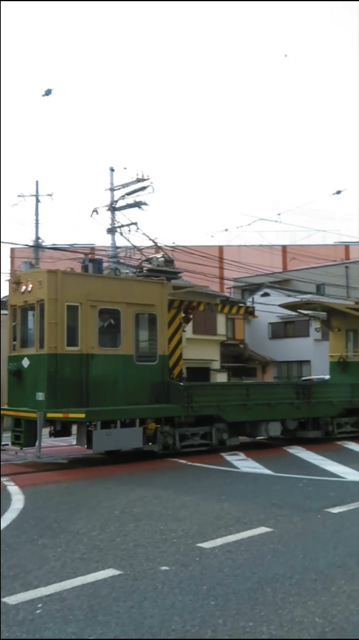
(114, 387)
(83, 380)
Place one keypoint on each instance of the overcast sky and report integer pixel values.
(200, 96)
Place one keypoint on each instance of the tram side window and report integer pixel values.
(13, 328)
(109, 328)
(41, 326)
(27, 327)
(146, 347)
(72, 326)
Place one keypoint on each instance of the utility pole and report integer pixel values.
(120, 204)
(112, 229)
(37, 241)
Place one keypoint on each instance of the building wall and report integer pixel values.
(339, 323)
(214, 266)
(339, 280)
(4, 354)
(267, 374)
(205, 350)
(310, 349)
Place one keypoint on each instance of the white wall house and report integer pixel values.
(297, 344)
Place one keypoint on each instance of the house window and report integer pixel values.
(72, 337)
(289, 329)
(276, 330)
(27, 327)
(320, 289)
(301, 329)
(291, 370)
(146, 340)
(205, 323)
(231, 334)
(351, 342)
(41, 327)
(109, 328)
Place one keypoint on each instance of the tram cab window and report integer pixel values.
(146, 348)
(72, 338)
(41, 326)
(109, 328)
(27, 326)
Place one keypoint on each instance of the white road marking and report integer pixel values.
(243, 463)
(350, 445)
(60, 586)
(233, 538)
(17, 502)
(324, 463)
(344, 507)
(274, 475)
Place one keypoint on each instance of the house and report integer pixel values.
(214, 344)
(341, 319)
(214, 347)
(294, 344)
(299, 347)
(240, 361)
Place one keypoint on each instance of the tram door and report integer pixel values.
(106, 375)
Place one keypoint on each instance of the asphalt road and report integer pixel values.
(300, 579)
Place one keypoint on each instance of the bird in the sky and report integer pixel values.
(47, 93)
(338, 192)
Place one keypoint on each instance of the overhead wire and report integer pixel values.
(232, 266)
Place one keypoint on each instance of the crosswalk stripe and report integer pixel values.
(350, 445)
(242, 462)
(334, 467)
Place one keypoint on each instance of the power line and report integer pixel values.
(288, 224)
(231, 265)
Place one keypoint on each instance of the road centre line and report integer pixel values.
(60, 586)
(233, 538)
(344, 507)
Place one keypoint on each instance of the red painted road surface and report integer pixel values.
(68, 463)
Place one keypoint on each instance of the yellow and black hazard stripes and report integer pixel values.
(226, 308)
(175, 350)
(235, 309)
